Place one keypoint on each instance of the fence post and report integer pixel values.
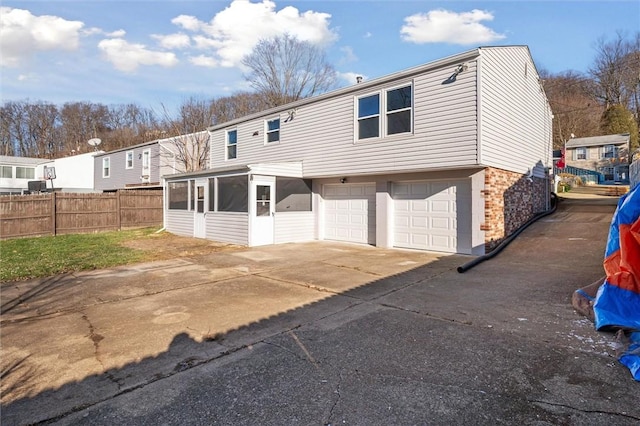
(54, 225)
(118, 210)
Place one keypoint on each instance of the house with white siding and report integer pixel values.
(450, 156)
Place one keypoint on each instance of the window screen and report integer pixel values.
(178, 195)
(233, 194)
(293, 195)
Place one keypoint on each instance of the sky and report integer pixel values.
(159, 53)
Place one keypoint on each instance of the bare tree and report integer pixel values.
(575, 111)
(238, 105)
(285, 69)
(616, 70)
(188, 138)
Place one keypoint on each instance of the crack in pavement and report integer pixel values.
(96, 339)
(581, 410)
(337, 400)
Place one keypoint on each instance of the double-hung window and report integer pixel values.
(129, 160)
(399, 110)
(272, 130)
(394, 105)
(581, 153)
(232, 144)
(608, 151)
(369, 116)
(106, 167)
(6, 172)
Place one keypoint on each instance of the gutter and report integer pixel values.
(464, 268)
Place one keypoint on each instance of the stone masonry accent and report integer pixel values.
(511, 199)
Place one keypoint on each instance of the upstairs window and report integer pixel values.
(232, 144)
(129, 160)
(608, 151)
(399, 110)
(581, 154)
(394, 105)
(25, 173)
(369, 116)
(272, 130)
(106, 167)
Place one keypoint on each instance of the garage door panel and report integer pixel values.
(350, 212)
(430, 222)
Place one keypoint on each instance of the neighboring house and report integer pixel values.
(634, 174)
(450, 156)
(17, 172)
(142, 165)
(72, 174)
(608, 155)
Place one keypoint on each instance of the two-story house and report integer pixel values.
(607, 155)
(143, 165)
(450, 156)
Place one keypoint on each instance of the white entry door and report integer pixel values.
(199, 219)
(262, 211)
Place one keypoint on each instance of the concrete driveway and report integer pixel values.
(323, 333)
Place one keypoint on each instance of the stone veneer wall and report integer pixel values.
(511, 199)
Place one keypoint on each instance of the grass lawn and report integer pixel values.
(44, 256)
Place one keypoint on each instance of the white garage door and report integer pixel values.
(350, 213)
(433, 215)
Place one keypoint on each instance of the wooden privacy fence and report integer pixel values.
(70, 213)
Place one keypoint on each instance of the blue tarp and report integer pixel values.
(617, 304)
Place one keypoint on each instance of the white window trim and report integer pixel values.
(606, 149)
(146, 157)
(577, 152)
(356, 124)
(410, 109)
(383, 113)
(267, 131)
(106, 160)
(126, 160)
(227, 145)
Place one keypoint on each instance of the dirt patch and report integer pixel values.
(165, 245)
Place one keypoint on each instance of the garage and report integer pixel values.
(433, 215)
(350, 213)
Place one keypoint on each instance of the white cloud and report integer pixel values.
(367, 35)
(204, 61)
(233, 32)
(348, 55)
(443, 26)
(173, 41)
(23, 34)
(128, 57)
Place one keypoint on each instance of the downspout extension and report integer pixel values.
(464, 268)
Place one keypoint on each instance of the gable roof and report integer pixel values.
(447, 61)
(619, 139)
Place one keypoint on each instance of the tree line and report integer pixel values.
(605, 100)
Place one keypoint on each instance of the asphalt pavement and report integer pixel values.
(323, 334)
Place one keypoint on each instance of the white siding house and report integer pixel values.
(450, 156)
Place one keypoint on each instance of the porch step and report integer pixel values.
(606, 190)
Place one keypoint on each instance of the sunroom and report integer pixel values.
(254, 205)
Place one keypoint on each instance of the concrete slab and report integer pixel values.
(322, 333)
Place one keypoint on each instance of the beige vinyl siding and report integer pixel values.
(294, 227)
(228, 227)
(515, 116)
(179, 222)
(322, 133)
